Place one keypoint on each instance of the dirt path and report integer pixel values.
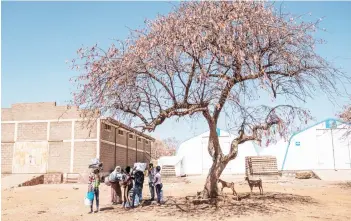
(289, 200)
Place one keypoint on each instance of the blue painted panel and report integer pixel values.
(331, 123)
(218, 131)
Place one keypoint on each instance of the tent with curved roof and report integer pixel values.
(320, 146)
(196, 159)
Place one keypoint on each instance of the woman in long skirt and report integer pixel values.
(116, 193)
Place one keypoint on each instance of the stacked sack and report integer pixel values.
(96, 164)
(140, 167)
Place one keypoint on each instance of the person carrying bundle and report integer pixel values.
(93, 186)
(116, 193)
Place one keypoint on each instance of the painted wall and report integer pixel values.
(30, 157)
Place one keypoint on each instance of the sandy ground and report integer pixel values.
(282, 200)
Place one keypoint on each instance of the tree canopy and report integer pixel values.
(207, 58)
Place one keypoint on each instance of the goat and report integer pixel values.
(228, 185)
(255, 183)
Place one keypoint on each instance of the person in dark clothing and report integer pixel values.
(138, 185)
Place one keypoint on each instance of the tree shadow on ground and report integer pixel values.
(268, 203)
(345, 185)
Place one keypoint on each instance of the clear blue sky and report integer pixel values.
(37, 38)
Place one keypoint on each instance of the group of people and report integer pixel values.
(131, 181)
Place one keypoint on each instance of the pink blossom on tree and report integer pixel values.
(208, 59)
(346, 114)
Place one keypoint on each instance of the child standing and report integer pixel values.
(127, 186)
(151, 175)
(158, 184)
(94, 183)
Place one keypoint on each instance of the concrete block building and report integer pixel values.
(46, 138)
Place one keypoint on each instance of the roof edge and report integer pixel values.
(115, 122)
(309, 127)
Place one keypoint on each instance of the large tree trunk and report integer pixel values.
(211, 185)
(219, 163)
(219, 160)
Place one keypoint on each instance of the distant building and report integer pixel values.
(45, 138)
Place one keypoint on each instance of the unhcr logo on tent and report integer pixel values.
(330, 124)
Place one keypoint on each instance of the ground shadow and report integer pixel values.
(106, 208)
(345, 185)
(268, 203)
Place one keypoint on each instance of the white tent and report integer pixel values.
(196, 159)
(320, 146)
(277, 150)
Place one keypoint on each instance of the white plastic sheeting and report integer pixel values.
(315, 147)
(277, 150)
(196, 159)
(319, 147)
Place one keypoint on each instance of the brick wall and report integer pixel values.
(35, 181)
(131, 157)
(131, 141)
(60, 131)
(60, 152)
(32, 131)
(38, 111)
(147, 158)
(59, 157)
(7, 132)
(107, 156)
(6, 157)
(83, 153)
(108, 134)
(121, 154)
(147, 146)
(6, 114)
(140, 156)
(53, 178)
(121, 138)
(84, 131)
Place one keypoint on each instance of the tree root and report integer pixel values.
(198, 199)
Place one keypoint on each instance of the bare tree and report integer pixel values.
(207, 59)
